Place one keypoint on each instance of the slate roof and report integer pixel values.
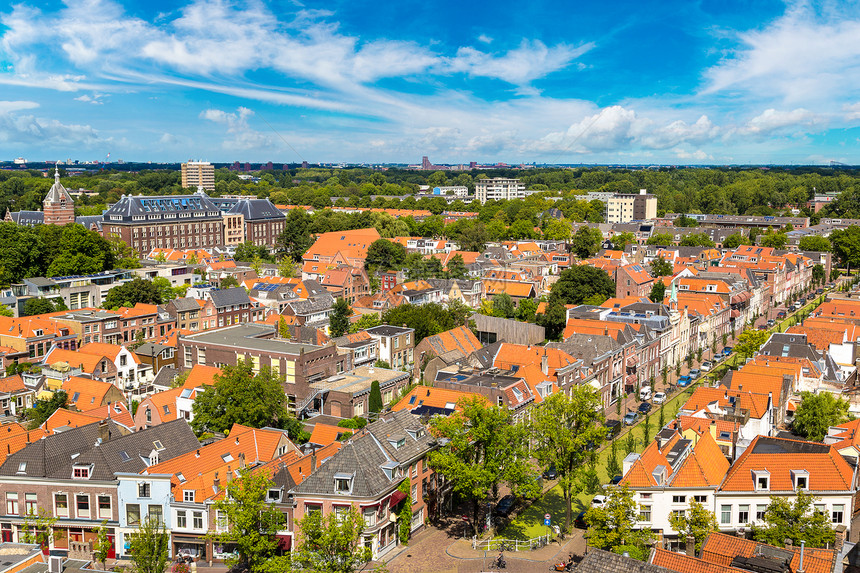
(28, 218)
(89, 220)
(185, 304)
(164, 208)
(165, 376)
(52, 457)
(600, 561)
(250, 209)
(363, 456)
(388, 330)
(229, 297)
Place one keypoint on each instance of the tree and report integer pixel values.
(565, 432)
(750, 341)
(241, 397)
(286, 267)
(102, 545)
(163, 285)
(612, 527)
(374, 401)
(364, 322)
(295, 239)
(685, 221)
(457, 268)
(427, 319)
(696, 240)
(556, 230)
(339, 319)
(35, 306)
(6, 311)
(284, 329)
(658, 291)
(661, 268)
(816, 413)
(735, 240)
(846, 246)
(818, 273)
(580, 282)
(229, 282)
(613, 466)
(697, 522)
(384, 254)
(38, 527)
(149, 547)
(798, 521)
(621, 240)
(661, 239)
(332, 544)
(586, 242)
(814, 243)
(646, 429)
(774, 240)
(42, 409)
(252, 522)
(133, 292)
(484, 448)
(503, 306)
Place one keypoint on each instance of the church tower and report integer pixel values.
(58, 205)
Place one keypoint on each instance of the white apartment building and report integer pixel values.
(197, 174)
(500, 189)
(622, 208)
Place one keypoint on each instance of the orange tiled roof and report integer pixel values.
(352, 244)
(759, 383)
(683, 563)
(91, 393)
(637, 274)
(302, 468)
(596, 327)
(510, 355)
(705, 466)
(848, 436)
(87, 362)
(721, 549)
(11, 384)
(139, 309)
(62, 417)
(163, 404)
(514, 288)
(15, 437)
(828, 470)
(460, 338)
(325, 434)
(703, 395)
(640, 473)
(434, 398)
(201, 375)
(101, 349)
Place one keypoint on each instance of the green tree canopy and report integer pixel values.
(296, 238)
(133, 292)
(696, 240)
(339, 319)
(149, 546)
(34, 306)
(565, 432)
(331, 544)
(846, 245)
(814, 243)
(485, 448)
(240, 396)
(42, 409)
(735, 240)
(586, 242)
(658, 291)
(661, 239)
(797, 520)
(750, 341)
(774, 240)
(697, 521)
(613, 526)
(621, 240)
(252, 522)
(816, 413)
(384, 255)
(660, 267)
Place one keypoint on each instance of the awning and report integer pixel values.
(396, 498)
(736, 313)
(632, 361)
(285, 542)
(740, 297)
(631, 380)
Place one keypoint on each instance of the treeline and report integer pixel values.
(52, 250)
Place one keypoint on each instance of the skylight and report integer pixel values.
(123, 455)
(158, 445)
(228, 457)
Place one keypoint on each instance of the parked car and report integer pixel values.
(694, 373)
(706, 366)
(579, 521)
(615, 480)
(598, 500)
(761, 327)
(718, 358)
(819, 291)
(780, 315)
(659, 397)
(550, 473)
(684, 381)
(771, 322)
(613, 427)
(644, 408)
(505, 505)
(630, 418)
(727, 351)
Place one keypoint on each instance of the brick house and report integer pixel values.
(346, 282)
(633, 281)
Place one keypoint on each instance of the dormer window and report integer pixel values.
(343, 483)
(188, 496)
(81, 471)
(762, 480)
(800, 479)
(274, 495)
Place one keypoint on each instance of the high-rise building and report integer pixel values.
(499, 189)
(623, 208)
(198, 174)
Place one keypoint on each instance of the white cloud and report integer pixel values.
(240, 135)
(485, 39)
(851, 111)
(29, 130)
(95, 99)
(520, 66)
(10, 106)
(168, 139)
(771, 120)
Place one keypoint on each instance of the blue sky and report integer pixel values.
(674, 81)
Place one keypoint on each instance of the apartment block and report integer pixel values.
(198, 174)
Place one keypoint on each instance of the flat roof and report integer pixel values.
(359, 380)
(247, 336)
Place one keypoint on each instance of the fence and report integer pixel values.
(510, 544)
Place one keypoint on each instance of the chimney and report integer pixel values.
(788, 543)
(840, 538)
(104, 431)
(544, 364)
(313, 460)
(216, 482)
(800, 565)
(242, 459)
(691, 546)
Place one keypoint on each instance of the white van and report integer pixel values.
(645, 393)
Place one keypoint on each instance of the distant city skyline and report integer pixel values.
(670, 82)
